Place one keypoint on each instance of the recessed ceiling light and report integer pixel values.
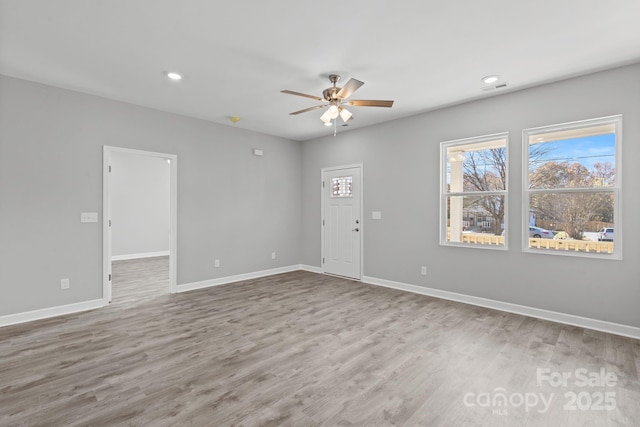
(490, 79)
(174, 76)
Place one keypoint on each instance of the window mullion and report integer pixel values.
(572, 190)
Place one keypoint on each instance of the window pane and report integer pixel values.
(475, 219)
(575, 219)
(477, 167)
(342, 186)
(572, 188)
(582, 162)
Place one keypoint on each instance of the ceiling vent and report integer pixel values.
(493, 87)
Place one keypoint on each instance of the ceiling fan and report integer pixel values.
(335, 98)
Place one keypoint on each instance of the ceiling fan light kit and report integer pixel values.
(335, 97)
(345, 114)
(333, 112)
(325, 117)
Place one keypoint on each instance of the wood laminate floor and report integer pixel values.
(135, 281)
(304, 349)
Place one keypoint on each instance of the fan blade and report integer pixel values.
(290, 92)
(307, 109)
(351, 86)
(368, 103)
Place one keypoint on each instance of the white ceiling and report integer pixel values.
(238, 55)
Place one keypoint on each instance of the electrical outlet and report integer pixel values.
(423, 270)
(64, 284)
(273, 255)
(216, 263)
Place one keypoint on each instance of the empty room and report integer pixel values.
(289, 213)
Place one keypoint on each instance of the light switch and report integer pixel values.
(376, 215)
(89, 217)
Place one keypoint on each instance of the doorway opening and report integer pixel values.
(139, 225)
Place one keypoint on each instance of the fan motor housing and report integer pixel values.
(331, 93)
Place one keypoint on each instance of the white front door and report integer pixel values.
(342, 221)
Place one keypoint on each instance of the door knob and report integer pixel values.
(356, 229)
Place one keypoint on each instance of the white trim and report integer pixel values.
(140, 255)
(362, 227)
(28, 316)
(173, 207)
(310, 268)
(237, 278)
(106, 237)
(553, 316)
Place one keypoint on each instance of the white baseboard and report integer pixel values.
(28, 316)
(140, 255)
(568, 319)
(12, 319)
(236, 278)
(310, 268)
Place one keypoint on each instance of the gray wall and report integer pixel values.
(404, 154)
(239, 207)
(140, 203)
(231, 205)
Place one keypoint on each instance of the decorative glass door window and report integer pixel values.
(341, 186)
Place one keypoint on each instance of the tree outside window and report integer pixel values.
(571, 186)
(474, 192)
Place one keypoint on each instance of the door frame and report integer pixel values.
(361, 207)
(106, 216)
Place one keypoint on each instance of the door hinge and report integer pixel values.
(109, 277)
(109, 168)
(323, 260)
(109, 223)
(323, 222)
(322, 184)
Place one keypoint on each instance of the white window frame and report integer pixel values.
(527, 134)
(444, 193)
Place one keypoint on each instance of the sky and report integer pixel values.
(586, 151)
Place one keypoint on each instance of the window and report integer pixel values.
(571, 188)
(341, 186)
(473, 200)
